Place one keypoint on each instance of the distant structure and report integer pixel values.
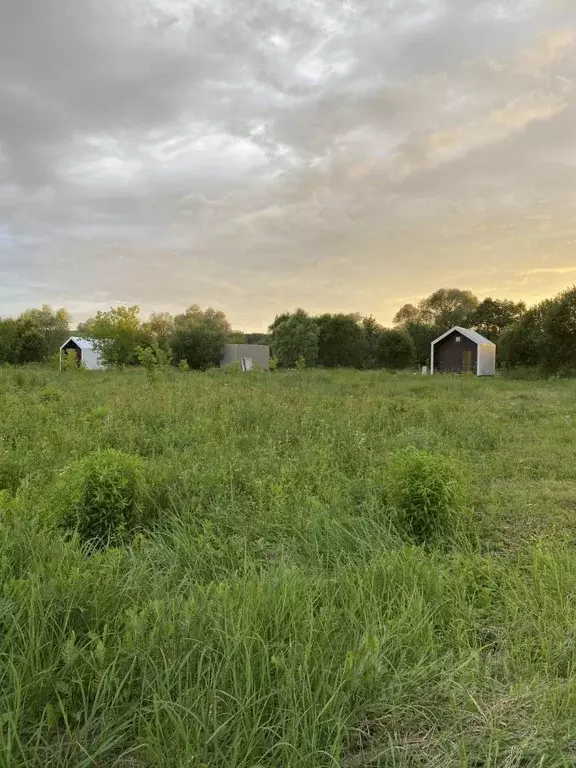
(87, 355)
(248, 355)
(461, 350)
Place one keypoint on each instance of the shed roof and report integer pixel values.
(475, 337)
(80, 342)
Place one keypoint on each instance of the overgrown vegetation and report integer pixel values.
(542, 338)
(102, 498)
(311, 569)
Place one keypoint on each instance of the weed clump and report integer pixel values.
(426, 493)
(103, 498)
(51, 395)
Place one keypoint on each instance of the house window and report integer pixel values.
(458, 338)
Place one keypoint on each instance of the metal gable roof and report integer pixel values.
(80, 342)
(477, 338)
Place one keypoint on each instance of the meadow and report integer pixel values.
(274, 615)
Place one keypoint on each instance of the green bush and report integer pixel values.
(426, 493)
(103, 497)
(51, 395)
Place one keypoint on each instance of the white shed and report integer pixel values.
(462, 350)
(87, 354)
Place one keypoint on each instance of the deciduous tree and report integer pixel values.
(294, 337)
(116, 333)
(491, 316)
(395, 349)
(341, 341)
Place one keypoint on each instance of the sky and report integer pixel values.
(261, 155)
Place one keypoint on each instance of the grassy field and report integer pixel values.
(275, 617)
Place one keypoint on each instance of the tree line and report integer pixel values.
(542, 336)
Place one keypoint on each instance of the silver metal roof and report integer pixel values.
(80, 342)
(477, 338)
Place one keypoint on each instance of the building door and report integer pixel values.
(467, 360)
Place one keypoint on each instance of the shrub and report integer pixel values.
(102, 497)
(68, 361)
(395, 349)
(426, 493)
(51, 395)
(232, 368)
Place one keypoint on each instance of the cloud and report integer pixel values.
(551, 271)
(262, 156)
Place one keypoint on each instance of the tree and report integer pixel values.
(258, 338)
(158, 329)
(372, 330)
(199, 336)
(53, 324)
(422, 335)
(491, 316)
(8, 339)
(200, 347)
(444, 308)
(559, 328)
(294, 337)
(30, 346)
(194, 316)
(407, 314)
(116, 333)
(447, 307)
(395, 349)
(524, 342)
(341, 341)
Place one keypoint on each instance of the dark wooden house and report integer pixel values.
(461, 350)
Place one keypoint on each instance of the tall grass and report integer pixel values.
(274, 615)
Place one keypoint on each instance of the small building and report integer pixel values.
(87, 354)
(461, 350)
(248, 355)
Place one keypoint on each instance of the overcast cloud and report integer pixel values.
(258, 155)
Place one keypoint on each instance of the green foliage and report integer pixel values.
(116, 334)
(273, 615)
(444, 308)
(426, 493)
(232, 369)
(524, 342)
(209, 319)
(31, 346)
(201, 348)
(153, 358)
(422, 335)
(342, 341)
(183, 366)
(559, 329)
(395, 349)
(294, 336)
(199, 337)
(51, 395)
(102, 497)
(236, 337)
(53, 324)
(372, 331)
(33, 336)
(68, 361)
(158, 330)
(492, 316)
(9, 330)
